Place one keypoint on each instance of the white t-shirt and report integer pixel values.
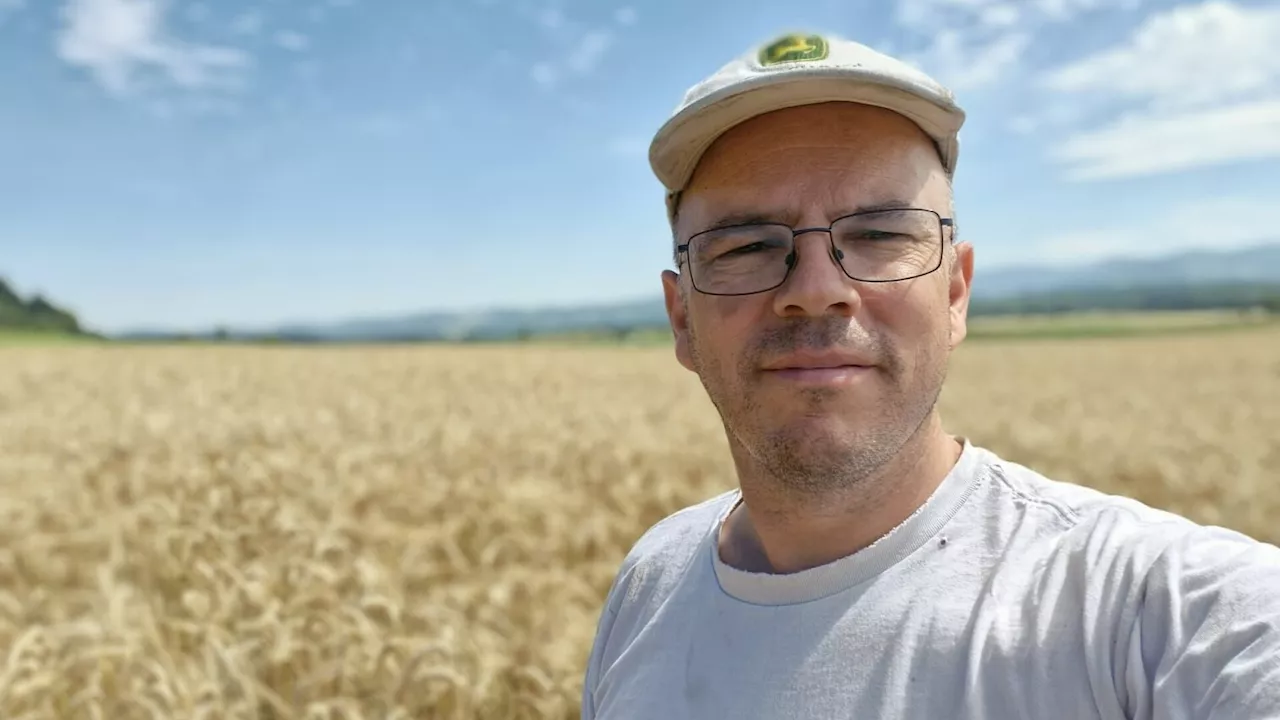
(1007, 595)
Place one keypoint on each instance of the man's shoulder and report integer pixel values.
(647, 576)
(1182, 613)
(1106, 523)
(1075, 503)
(666, 548)
(674, 538)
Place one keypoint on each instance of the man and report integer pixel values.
(871, 565)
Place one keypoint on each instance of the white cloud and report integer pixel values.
(551, 18)
(925, 14)
(973, 44)
(932, 14)
(589, 51)
(292, 41)
(962, 63)
(1149, 144)
(1214, 224)
(248, 23)
(117, 40)
(1194, 86)
(544, 74)
(1000, 16)
(580, 48)
(1191, 56)
(1060, 10)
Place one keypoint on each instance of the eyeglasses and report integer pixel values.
(876, 246)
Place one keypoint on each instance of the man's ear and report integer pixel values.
(678, 316)
(960, 284)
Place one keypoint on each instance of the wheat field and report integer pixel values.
(410, 532)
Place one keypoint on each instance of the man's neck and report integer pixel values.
(771, 531)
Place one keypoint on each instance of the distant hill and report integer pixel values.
(1259, 264)
(34, 313)
(491, 324)
(1193, 280)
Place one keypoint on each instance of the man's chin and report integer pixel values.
(814, 453)
(839, 399)
(810, 430)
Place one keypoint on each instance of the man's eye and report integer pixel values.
(877, 235)
(748, 248)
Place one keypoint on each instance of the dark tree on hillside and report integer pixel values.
(34, 314)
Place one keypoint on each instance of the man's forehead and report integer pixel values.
(828, 171)
(818, 128)
(837, 141)
(836, 155)
(833, 184)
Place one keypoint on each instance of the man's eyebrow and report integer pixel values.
(881, 206)
(787, 217)
(748, 217)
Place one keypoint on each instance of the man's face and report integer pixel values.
(806, 167)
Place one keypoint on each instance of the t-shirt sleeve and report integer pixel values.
(594, 661)
(604, 629)
(1206, 641)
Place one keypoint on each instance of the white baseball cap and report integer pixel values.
(800, 69)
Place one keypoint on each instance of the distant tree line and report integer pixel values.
(34, 313)
(1243, 296)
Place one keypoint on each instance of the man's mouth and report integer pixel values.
(820, 367)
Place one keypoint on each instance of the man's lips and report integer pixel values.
(827, 367)
(819, 360)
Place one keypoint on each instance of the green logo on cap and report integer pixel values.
(794, 48)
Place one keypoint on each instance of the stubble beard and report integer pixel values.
(796, 460)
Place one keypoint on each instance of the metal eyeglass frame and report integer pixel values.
(943, 223)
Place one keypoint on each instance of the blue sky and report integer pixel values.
(187, 163)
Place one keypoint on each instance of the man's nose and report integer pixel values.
(817, 285)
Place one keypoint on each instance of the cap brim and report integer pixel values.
(682, 140)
